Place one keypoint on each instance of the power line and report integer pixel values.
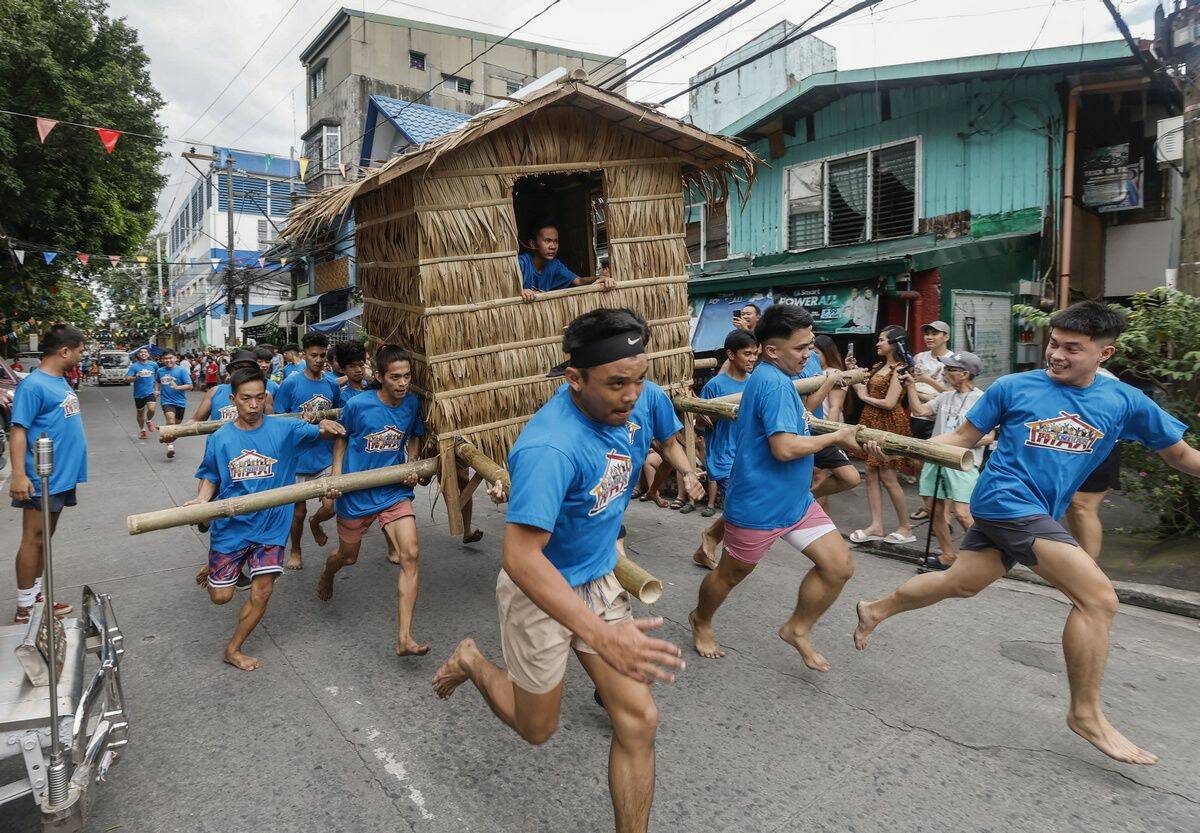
(634, 46)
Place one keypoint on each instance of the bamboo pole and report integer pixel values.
(704, 364)
(489, 469)
(170, 433)
(281, 496)
(805, 386)
(645, 587)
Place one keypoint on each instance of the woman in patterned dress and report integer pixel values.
(882, 396)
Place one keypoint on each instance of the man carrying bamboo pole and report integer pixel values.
(383, 428)
(1054, 427)
(770, 493)
(572, 468)
(251, 454)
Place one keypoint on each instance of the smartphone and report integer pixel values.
(905, 353)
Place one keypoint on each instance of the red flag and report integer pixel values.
(44, 126)
(82, 258)
(108, 138)
(114, 259)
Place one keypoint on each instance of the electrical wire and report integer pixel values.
(595, 73)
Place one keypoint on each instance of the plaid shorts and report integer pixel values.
(223, 567)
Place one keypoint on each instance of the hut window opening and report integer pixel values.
(575, 203)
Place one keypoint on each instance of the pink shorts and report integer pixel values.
(750, 545)
(350, 530)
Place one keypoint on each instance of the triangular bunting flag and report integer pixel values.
(44, 126)
(142, 260)
(82, 258)
(262, 262)
(20, 253)
(283, 261)
(108, 138)
(114, 259)
(216, 261)
(49, 256)
(342, 169)
(303, 167)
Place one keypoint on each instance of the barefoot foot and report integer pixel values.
(293, 561)
(703, 638)
(411, 648)
(318, 534)
(866, 625)
(239, 660)
(202, 576)
(802, 642)
(453, 672)
(1099, 733)
(325, 586)
(703, 559)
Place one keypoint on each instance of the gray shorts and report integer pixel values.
(1014, 538)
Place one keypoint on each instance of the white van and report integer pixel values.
(114, 364)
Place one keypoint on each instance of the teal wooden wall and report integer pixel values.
(993, 169)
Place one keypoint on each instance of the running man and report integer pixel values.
(1054, 427)
(251, 454)
(145, 376)
(173, 385)
(572, 468)
(383, 428)
(309, 392)
(44, 403)
(770, 493)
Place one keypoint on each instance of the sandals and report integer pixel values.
(931, 564)
(897, 538)
(919, 515)
(676, 504)
(687, 509)
(708, 511)
(859, 536)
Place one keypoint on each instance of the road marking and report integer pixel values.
(397, 770)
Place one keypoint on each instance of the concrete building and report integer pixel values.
(359, 55)
(196, 251)
(718, 104)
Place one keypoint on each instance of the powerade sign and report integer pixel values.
(850, 309)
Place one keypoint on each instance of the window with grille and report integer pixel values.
(848, 195)
(454, 84)
(416, 60)
(511, 87)
(894, 182)
(316, 82)
(333, 146)
(805, 206)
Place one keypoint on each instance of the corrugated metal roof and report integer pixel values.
(419, 122)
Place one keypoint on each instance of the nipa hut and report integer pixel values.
(438, 232)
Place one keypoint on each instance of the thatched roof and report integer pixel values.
(709, 162)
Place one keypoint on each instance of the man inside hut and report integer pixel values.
(542, 271)
(1055, 426)
(572, 468)
(251, 454)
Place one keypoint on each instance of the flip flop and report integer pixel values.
(897, 538)
(919, 515)
(676, 504)
(708, 511)
(860, 537)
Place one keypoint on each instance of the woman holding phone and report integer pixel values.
(883, 409)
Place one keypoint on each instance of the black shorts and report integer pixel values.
(922, 429)
(57, 502)
(830, 457)
(139, 402)
(621, 534)
(1015, 538)
(177, 410)
(1106, 476)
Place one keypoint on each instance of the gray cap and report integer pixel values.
(940, 326)
(962, 360)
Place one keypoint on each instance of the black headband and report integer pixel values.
(614, 348)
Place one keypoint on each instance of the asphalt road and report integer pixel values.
(952, 721)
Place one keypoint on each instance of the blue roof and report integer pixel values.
(418, 122)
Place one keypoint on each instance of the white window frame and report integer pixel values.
(703, 208)
(317, 72)
(451, 84)
(918, 190)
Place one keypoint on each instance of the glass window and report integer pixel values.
(805, 206)
(454, 84)
(894, 182)
(316, 82)
(848, 200)
(512, 86)
(416, 60)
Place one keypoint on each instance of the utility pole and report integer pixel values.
(230, 297)
(158, 261)
(1189, 244)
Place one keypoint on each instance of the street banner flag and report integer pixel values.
(82, 258)
(142, 260)
(303, 166)
(114, 259)
(49, 256)
(44, 126)
(222, 157)
(108, 138)
(20, 253)
(270, 157)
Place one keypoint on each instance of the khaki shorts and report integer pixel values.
(316, 475)
(535, 645)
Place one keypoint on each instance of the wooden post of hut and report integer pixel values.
(439, 229)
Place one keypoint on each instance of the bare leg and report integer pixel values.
(896, 493)
(402, 539)
(706, 555)
(1085, 644)
(343, 556)
(248, 618)
(941, 530)
(1083, 519)
(832, 568)
(293, 560)
(150, 411)
(324, 512)
(29, 552)
(971, 572)
(141, 420)
(711, 496)
(713, 590)
(664, 471)
(841, 479)
(532, 716)
(874, 502)
(630, 706)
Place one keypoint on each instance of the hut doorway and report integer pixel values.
(575, 202)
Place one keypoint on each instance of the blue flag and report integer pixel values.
(49, 257)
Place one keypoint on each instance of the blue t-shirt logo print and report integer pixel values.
(1066, 432)
(613, 482)
(70, 405)
(388, 438)
(633, 428)
(250, 465)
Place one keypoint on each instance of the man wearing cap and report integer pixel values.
(939, 483)
(928, 375)
(572, 470)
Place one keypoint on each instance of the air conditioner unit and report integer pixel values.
(1169, 146)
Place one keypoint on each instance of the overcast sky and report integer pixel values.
(197, 48)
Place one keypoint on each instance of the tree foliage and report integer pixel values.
(67, 60)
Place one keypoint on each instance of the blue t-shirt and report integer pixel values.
(813, 368)
(241, 462)
(300, 394)
(554, 274)
(289, 369)
(572, 476)
(347, 393)
(721, 440)
(766, 493)
(377, 436)
(168, 378)
(46, 404)
(221, 404)
(144, 374)
(1051, 436)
